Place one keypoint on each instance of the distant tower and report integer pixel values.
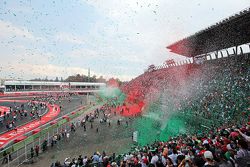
(88, 74)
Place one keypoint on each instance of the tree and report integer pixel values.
(92, 79)
(101, 79)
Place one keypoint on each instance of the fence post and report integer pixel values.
(39, 140)
(48, 137)
(8, 160)
(25, 150)
(53, 132)
(17, 156)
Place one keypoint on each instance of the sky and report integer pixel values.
(113, 38)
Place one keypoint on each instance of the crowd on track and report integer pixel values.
(21, 112)
(102, 115)
(33, 109)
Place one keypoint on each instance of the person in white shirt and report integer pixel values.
(67, 161)
(154, 159)
(85, 159)
(173, 157)
(243, 149)
(163, 159)
(67, 136)
(247, 138)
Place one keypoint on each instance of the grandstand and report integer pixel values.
(2, 89)
(210, 90)
(201, 94)
(39, 86)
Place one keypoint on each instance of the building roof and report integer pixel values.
(230, 32)
(53, 83)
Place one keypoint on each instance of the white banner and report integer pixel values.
(135, 136)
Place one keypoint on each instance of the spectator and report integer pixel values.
(37, 150)
(209, 159)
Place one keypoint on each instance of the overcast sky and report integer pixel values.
(118, 38)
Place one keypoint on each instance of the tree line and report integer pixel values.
(76, 78)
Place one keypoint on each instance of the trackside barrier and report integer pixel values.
(20, 152)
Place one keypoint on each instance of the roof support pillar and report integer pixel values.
(216, 54)
(221, 54)
(206, 56)
(228, 55)
(241, 51)
(235, 50)
(190, 61)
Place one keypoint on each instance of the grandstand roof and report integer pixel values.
(227, 33)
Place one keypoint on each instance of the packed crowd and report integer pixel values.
(224, 147)
(217, 90)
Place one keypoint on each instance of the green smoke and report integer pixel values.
(157, 124)
(111, 93)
